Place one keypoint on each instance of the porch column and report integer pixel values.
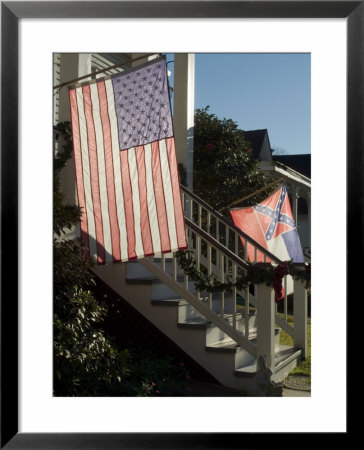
(265, 323)
(72, 66)
(300, 316)
(183, 111)
(295, 198)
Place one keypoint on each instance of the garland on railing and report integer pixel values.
(256, 273)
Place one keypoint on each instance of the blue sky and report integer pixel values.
(259, 91)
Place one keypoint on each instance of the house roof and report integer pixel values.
(256, 138)
(299, 163)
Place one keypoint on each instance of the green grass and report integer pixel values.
(304, 368)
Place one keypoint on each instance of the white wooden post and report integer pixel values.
(265, 323)
(295, 198)
(300, 316)
(183, 110)
(72, 65)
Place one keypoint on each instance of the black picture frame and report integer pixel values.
(11, 12)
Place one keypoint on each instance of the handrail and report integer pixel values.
(231, 225)
(231, 255)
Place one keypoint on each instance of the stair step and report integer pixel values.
(227, 345)
(169, 302)
(231, 345)
(198, 322)
(283, 356)
(137, 273)
(248, 370)
(198, 319)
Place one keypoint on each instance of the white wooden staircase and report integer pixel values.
(222, 337)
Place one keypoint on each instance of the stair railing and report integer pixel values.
(231, 237)
(220, 249)
(207, 218)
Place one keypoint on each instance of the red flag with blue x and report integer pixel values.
(271, 224)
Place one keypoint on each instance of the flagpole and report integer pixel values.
(102, 71)
(251, 195)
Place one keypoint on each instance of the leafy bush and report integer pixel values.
(155, 376)
(224, 170)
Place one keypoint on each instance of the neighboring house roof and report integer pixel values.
(299, 163)
(256, 138)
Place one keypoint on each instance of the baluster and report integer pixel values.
(246, 314)
(226, 236)
(245, 249)
(163, 262)
(234, 269)
(174, 267)
(300, 316)
(285, 299)
(198, 246)
(209, 270)
(185, 276)
(208, 222)
(255, 254)
(185, 281)
(222, 277)
(236, 244)
(199, 215)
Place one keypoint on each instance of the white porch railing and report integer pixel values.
(220, 248)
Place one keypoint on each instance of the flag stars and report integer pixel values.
(142, 106)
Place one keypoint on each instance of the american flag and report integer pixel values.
(126, 167)
(271, 224)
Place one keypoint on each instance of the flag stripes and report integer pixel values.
(130, 199)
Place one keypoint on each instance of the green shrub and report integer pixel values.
(223, 168)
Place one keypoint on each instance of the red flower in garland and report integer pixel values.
(209, 146)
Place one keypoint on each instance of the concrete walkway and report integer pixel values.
(295, 393)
